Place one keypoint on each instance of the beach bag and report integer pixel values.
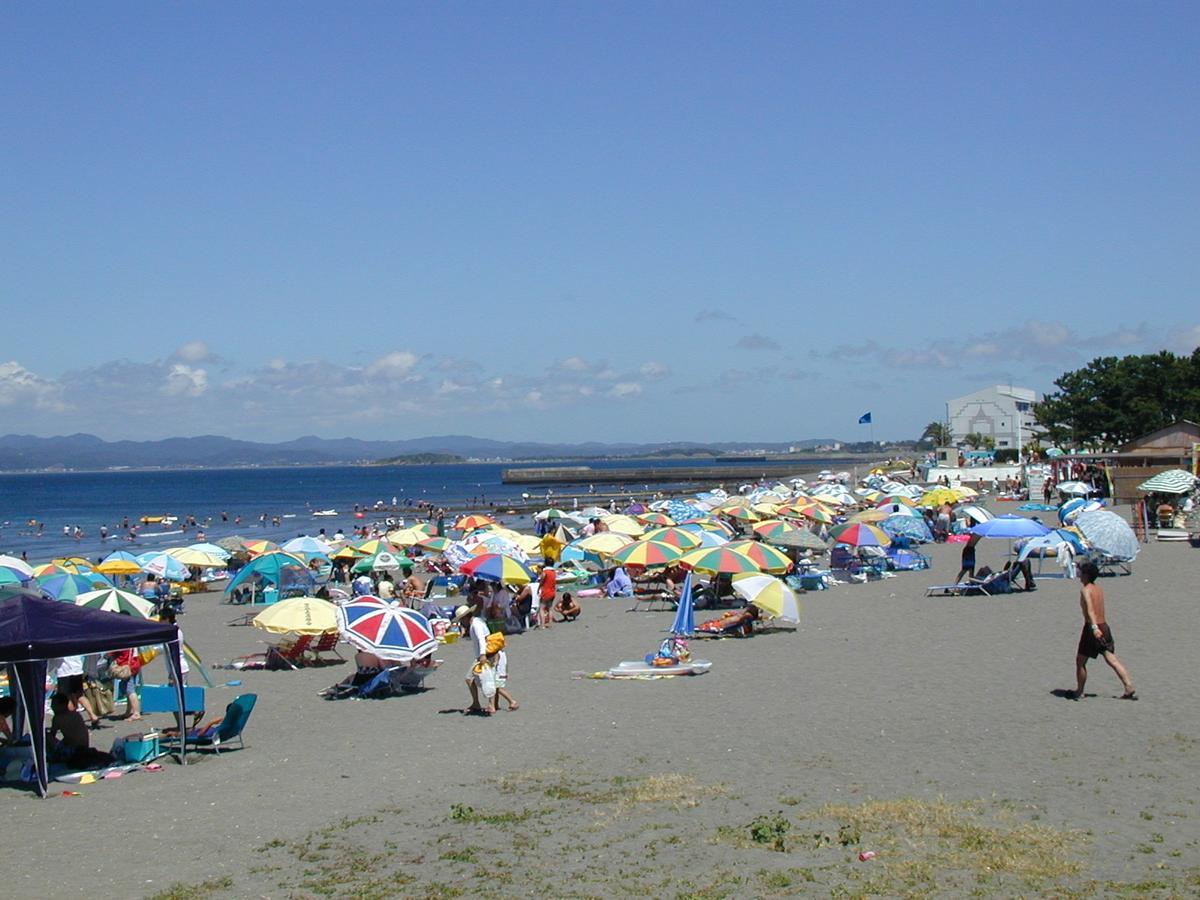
(486, 678)
(99, 698)
(147, 655)
(120, 671)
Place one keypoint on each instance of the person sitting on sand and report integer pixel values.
(568, 608)
(412, 587)
(619, 583)
(75, 747)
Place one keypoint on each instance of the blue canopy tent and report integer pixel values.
(34, 630)
(283, 570)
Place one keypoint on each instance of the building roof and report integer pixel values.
(1178, 435)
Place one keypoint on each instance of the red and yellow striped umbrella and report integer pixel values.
(473, 521)
(258, 548)
(814, 511)
(647, 554)
(768, 559)
(739, 510)
(676, 537)
(713, 560)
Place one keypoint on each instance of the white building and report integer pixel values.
(1002, 412)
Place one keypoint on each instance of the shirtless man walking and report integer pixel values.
(1096, 639)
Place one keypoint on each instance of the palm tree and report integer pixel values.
(937, 433)
(973, 440)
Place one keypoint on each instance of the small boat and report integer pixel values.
(637, 667)
(325, 512)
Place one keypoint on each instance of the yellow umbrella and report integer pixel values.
(119, 567)
(770, 595)
(624, 525)
(870, 516)
(349, 553)
(190, 557)
(938, 496)
(298, 615)
(964, 492)
(605, 543)
(406, 537)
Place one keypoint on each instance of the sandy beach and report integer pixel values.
(926, 730)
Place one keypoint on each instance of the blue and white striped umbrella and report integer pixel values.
(1069, 511)
(681, 511)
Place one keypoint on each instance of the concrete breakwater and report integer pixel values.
(649, 475)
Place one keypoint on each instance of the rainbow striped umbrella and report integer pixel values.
(814, 511)
(739, 510)
(892, 499)
(718, 559)
(859, 534)
(768, 559)
(390, 630)
(773, 528)
(473, 521)
(707, 523)
(498, 568)
(647, 554)
(374, 546)
(68, 587)
(257, 548)
(435, 543)
(675, 536)
(658, 519)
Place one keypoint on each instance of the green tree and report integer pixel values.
(937, 433)
(1115, 399)
(973, 440)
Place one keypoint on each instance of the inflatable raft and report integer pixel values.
(634, 668)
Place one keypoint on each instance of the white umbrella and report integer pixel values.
(770, 595)
(1108, 533)
(1073, 487)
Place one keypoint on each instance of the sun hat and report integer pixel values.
(462, 612)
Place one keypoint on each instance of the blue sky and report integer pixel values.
(572, 221)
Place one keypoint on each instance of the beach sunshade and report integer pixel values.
(278, 568)
(770, 595)
(1173, 481)
(680, 510)
(348, 553)
(1074, 487)
(870, 516)
(1011, 527)
(259, 547)
(906, 526)
(899, 509)
(676, 536)
(1069, 511)
(890, 499)
(307, 547)
(388, 629)
(68, 587)
(685, 612)
(374, 545)
(647, 554)
(976, 513)
(200, 558)
(810, 510)
(214, 549)
(938, 497)
(1109, 533)
(22, 570)
(163, 565)
(407, 537)
(435, 543)
(772, 528)
(471, 522)
(655, 519)
(497, 568)
(605, 543)
(707, 523)
(801, 539)
(122, 562)
(965, 493)
(115, 601)
(858, 534)
(766, 557)
(298, 615)
(235, 543)
(383, 561)
(718, 560)
(624, 525)
(740, 510)
(552, 513)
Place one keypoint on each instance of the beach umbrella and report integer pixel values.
(938, 497)
(647, 554)
(858, 534)
(308, 547)
(406, 537)
(680, 510)
(50, 568)
(199, 558)
(1070, 510)
(770, 595)
(870, 516)
(802, 539)
(710, 539)
(20, 570)
(707, 523)
(497, 568)
(235, 543)
(473, 521)
(1055, 540)
(965, 493)
(767, 558)
(298, 615)
(813, 511)
(606, 542)
(624, 525)
(259, 547)
(767, 508)
(740, 510)
(214, 549)
(435, 543)
(1074, 487)
(552, 513)
(278, 568)
(383, 561)
(374, 545)
(1010, 526)
(976, 513)
(348, 553)
(1172, 481)
(676, 536)
(685, 615)
(1108, 533)
(115, 601)
(656, 519)
(899, 509)
(894, 499)
(718, 560)
(906, 526)
(121, 562)
(68, 586)
(163, 565)
(635, 508)
(774, 528)
(388, 629)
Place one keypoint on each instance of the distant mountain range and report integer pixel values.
(21, 452)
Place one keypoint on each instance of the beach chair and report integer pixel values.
(326, 643)
(1110, 565)
(842, 561)
(902, 560)
(653, 601)
(284, 655)
(395, 681)
(995, 583)
(220, 732)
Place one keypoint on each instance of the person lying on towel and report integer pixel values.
(734, 623)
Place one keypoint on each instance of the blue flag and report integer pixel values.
(864, 419)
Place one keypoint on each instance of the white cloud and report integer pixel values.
(574, 364)
(625, 389)
(192, 352)
(654, 369)
(757, 342)
(396, 364)
(19, 386)
(186, 381)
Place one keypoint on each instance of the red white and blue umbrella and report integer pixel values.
(388, 629)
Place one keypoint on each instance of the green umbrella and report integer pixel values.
(113, 600)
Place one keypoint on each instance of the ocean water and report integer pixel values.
(90, 499)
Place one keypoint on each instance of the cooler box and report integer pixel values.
(142, 747)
